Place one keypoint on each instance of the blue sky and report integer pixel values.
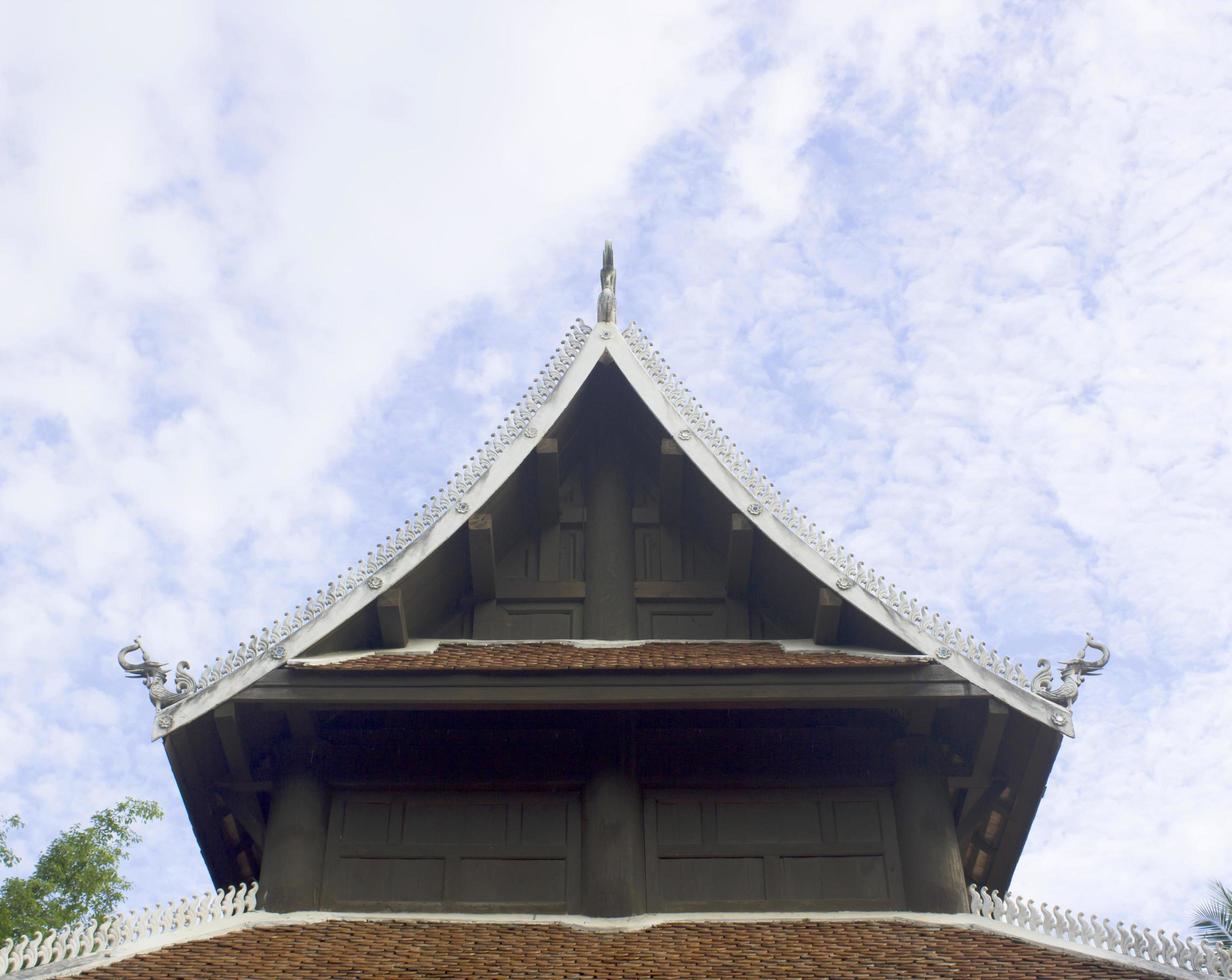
(956, 275)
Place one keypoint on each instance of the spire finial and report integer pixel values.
(607, 280)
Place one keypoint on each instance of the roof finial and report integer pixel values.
(607, 280)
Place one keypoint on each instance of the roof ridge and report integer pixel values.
(934, 637)
(515, 425)
(852, 572)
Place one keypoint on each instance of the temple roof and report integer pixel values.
(650, 655)
(837, 946)
(706, 445)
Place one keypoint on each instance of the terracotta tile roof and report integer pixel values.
(358, 948)
(644, 656)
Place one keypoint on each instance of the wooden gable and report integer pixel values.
(607, 530)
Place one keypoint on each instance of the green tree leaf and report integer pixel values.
(1213, 918)
(77, 878)
(7, 857)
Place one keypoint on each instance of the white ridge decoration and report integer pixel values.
(365, 572)
(1151, 946)
(916, 617)
(852, 573)
(127, 929)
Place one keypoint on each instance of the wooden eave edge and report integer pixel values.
(374, 578)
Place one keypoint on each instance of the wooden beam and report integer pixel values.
(679, 590)
(547, 474)
(247, 813)
(739, 556)
(671, 480)
(483, 556)
(880, 688)
(671, 483)
(1028, 792)
(228, 728)
(977, 811)
(987, 749)
(547, 469)
(646, 515)
(301, 725)
(392, 618)
(825, 622)
(185, 760)
(244, 806)
(528, 589)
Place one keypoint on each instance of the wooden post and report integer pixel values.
(825, 621)
(609, 612)
(292, 867)
(547, 472)
(483, 557)
(613, 827)
(391, 617)
(933, 878)
(671, 483)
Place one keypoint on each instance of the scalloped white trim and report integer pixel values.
(129, 932)
(1146, 945)
(702, 439)
(640, 923)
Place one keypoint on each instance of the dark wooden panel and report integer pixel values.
(771, 849)
(682, 881)
(681, 620)
(835, 880)
(505, 851)
(528, 620)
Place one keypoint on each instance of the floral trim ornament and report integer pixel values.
(171, 921)
(1205, 959)
(258, 646)
(851, 572)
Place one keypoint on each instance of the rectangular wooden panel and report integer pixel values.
(492, 881)
(681, 620)
(713, 879)
(517, 620)
(500, 851)
(834, 879)
(454, 821)
(771, 849)
(391, 879)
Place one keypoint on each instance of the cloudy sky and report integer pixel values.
(956, 274)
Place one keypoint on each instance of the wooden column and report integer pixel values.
(609, 612)
(292, 866)
(613, 835)
(933, 876)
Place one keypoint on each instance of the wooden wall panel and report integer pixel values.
(477, 851)
(771, 849)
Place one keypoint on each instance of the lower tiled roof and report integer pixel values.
(640, 656)
(839, 949)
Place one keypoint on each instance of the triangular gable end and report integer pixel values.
(702, 443)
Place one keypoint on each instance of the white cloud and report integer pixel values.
(955, 273)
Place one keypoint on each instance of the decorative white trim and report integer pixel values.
(707, 446)
(129, 932)
(734, 474)
(1150, 946)
(249, 918)
(401, 551)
